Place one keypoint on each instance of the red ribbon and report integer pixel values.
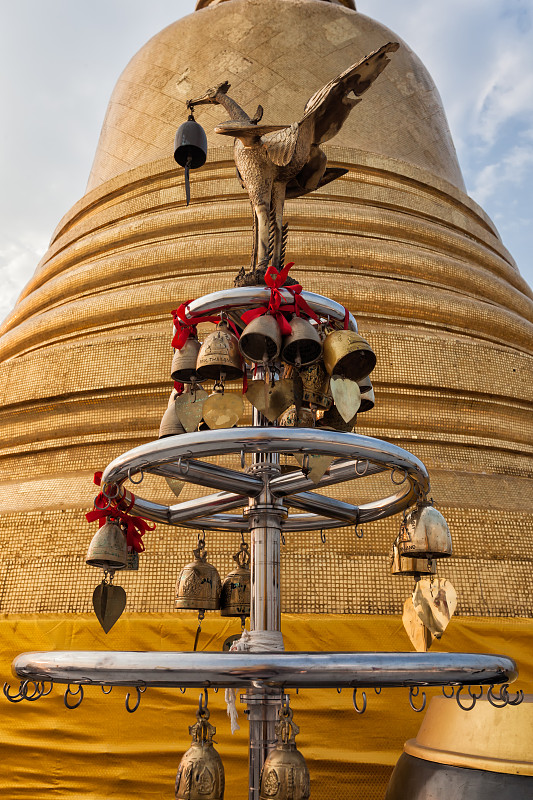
(186, 327)
(275, 280)
(104, 507)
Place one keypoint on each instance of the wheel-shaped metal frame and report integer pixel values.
(356, 457)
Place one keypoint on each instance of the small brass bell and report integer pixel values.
(235, 594)
(170, 424)
(108, 549)
(285, 775)
(403, 565)
(303, 346)
(349, 355)
(315, 385)
(219, 357)
(198, 586)
(261, 339)
(183, 367)
(201, 772)
(297, 418)
(367, 395)
(424, 534)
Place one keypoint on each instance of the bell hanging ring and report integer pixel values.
(183, 367)
(170, 423)
(201, 772)
(403, 565)
(235, 594)
(261, 339)
(425, 534)
(198, 586)
(303, 346)
(219, 357)
(285, 775)
(347, 354)
(108, 549)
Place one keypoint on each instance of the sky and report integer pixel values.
(60, 59)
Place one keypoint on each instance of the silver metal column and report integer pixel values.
(265, 605)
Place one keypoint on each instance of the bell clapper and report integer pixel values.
(201, 615)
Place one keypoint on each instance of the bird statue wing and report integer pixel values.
(329, 104)
(280, 146)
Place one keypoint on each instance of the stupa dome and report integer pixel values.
(85, 375)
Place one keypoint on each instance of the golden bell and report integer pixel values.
(424, 534)
(198, 586)
(235, 594)
(108, 549)
(368, 400)
(219, 357)
(201, 772)
(301, 418)
(303, 346)
(261, 339)
(332, 420)
(184, 361)
(349, 355)
(403, 565)
(170, 424)
(285, 775)
(315, 385)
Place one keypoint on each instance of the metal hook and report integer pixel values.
(339, 690)
(449, 696)
(359, 535)
(377, 689)
(403, 472)
(69, 691)
(182, 690)
(184, 469)
(282, 538)
(202, 707)
(518, 698)
(354, 700)
(136, 706)
(458, 698)
(102, 687)
(102, 508)
(46, 693)
(135, 473)
(13, 698)
(473, 695)
(497, 700)
(413, 693)
(365, 470)
(110, 496)
(322, 537)
(35, 695)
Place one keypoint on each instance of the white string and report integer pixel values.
(251, 642)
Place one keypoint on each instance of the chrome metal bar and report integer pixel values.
(253, 296)
(222, 501)
(276, 669)
(294, 482)
(203, 473)
(335, 509)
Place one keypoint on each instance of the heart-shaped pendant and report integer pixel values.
(434, 601)
(223, 410)
(420, 636)
(271, 401)
(108, 602)
(189, 408)
(317, 465)
(346, 395)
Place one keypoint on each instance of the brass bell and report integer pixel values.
(285, 775)
(304, 345)
(261, 339)
(219, 357)
(403, 565)
(201, 772)
(183, 367)
(198, 586)
(108, 549)
(297, 418)
(332, 420)
(315, 385)
(349, 355)
(367, 395)
(235, 594)
(170, 424)
(424, 534)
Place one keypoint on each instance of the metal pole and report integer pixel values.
(265, 603)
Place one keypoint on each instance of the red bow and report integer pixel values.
(275, 281)
(104, 507)
(185, 327)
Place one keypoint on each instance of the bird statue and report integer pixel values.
(278, 161)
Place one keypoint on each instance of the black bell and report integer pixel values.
(190, 148)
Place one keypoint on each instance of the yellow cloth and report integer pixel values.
(99, 751)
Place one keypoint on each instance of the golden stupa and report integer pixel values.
(85, 361)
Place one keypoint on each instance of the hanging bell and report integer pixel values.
(198, 586)
(190, 148)
(349, 355)
(235, 594)
(303, 346)
(108, 549)
(403, 565)
(297, 418)
(261, 339)
(424, 534)
(285, 775)
(332, 420)
(367, 395)
(315, 385)
(183, 367)
(201, 772)
(170, 424)
(219, 357)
